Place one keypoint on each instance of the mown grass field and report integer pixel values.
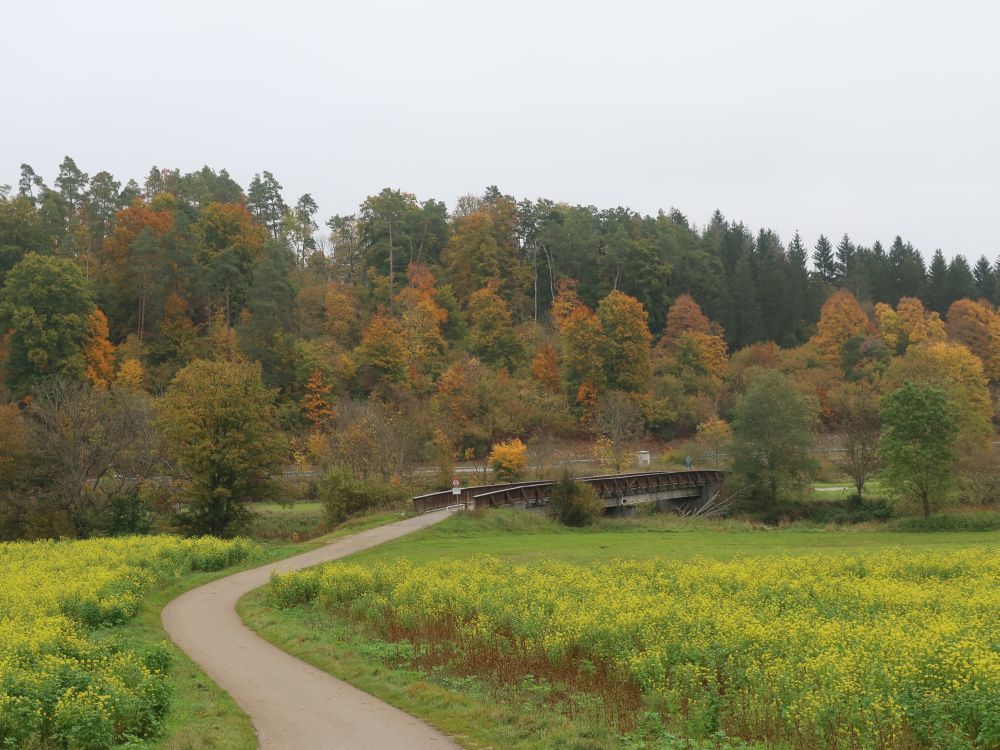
(521, 537)
(468, 643)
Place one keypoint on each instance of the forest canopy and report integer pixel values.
(408, 331)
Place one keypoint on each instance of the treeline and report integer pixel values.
(407, 332)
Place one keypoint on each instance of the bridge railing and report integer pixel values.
(536, 493)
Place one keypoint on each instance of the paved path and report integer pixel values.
(293, 705)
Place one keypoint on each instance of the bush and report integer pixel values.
(509, 460)
(849, 511)
(125, 514)
(343, 496)
(980, 521)
(574, 503)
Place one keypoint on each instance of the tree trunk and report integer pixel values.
(927, 503)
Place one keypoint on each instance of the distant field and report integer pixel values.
(521, 537)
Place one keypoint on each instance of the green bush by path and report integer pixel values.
(344, 496)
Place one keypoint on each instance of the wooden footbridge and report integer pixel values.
(620, 492)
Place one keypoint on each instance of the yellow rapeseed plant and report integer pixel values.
(882, 650)
(65, 681)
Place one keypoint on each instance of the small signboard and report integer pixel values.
(456, 486)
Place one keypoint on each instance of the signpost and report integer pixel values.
(456, 487)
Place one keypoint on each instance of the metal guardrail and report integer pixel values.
(537, 493)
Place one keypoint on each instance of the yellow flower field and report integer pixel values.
(883, 650)
(64, 681)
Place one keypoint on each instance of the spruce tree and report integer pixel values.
(824, 261)
(937, 284)
(984, 278)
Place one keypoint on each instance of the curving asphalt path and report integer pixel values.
(293, 705)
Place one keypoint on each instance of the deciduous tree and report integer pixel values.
(221, 429)
(856, 416)
(841, 319)
(918, 444)
(772, 433)
(626, 339)
(46, 306)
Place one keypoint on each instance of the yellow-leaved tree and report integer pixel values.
(956, 371)
(509, 460)
(627, 339)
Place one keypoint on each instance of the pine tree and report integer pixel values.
(845, 259)
(937, 284)
(984, 278)
(959, 282)
(824, 261)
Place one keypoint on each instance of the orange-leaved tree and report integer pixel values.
(840, 319)
(685, 316)
(99, 352)
(545, 367)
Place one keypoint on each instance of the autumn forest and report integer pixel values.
(410, 333)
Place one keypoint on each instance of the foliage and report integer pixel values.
(627, 340)
(95, 449)
(574, 503)
(918, 444)
(954, 370)
(856, 417)
(841, 319)
(889, 650)
(509, 460)
(63, 683)
(772, 433)
(715, 435)
(219, 423)
(344, 496)
(316, 403)
(381, 355)
(46, 305)
(619, 425)
(491, 335)
(99, 353)
(979, 521)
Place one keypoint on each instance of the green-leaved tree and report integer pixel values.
(221, 428)
(772, 433)
(919, 430)
(45, 305)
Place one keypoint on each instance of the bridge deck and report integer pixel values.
(615, 489)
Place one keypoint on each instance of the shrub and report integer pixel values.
(343, 496)
(981, 521)
(509, 460)
(849, 511)
(574, 503)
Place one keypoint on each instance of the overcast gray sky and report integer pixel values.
(873, 118)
